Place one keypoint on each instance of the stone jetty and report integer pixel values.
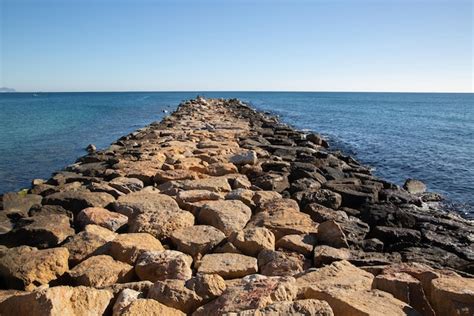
(223, 210)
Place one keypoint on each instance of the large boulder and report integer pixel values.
(162, 265)
(27, 267)
(150, 307)
(251, 241)
(75, 201)
(197, 240)
(128, 247)
(228, 265)
(42, 231)
(414, 186)
(13, 201)
(99, 271)
(102, 217)
(452, 296)
(303, 243)
(125, 298)
(142, 202)
(58, 301)
(91, 241)
(126, 185)
(299, 307)
(252, 292)
(284, 222)
(330, 233)
(227, 216)
(281, 263)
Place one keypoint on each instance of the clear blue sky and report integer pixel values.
(351, 45)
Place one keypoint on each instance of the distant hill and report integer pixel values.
(5, 89)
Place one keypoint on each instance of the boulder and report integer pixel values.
(75, 201)
(324, 197)
(244, 158)
(272, 181)
(325, 255)
(242, 195)
(261, 197)
(303, 243)
(42, 231)
(192, 196)
(299, 307)
(221, 169)
(163, 176)
(88, 243)
(58, 301)
(215, 184)
(128, 247)
(99, 271)
(452, 296)
(252, 292)
(101, 217)
(27, 267)
(228, 265)
(251, 241)
(406, 288)
(149, 307)
(125, 298)
(143, 202)
(414, 186)
(13, 201)
(126, 185)
(281, 263)
(331, 234)
(197, 240)
(161, 265)
(227, 216)
(284, 222)
(173, 293)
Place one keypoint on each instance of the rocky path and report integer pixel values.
(222, 210)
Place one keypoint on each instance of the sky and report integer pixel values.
(145, 45)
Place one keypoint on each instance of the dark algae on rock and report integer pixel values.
(223, 210)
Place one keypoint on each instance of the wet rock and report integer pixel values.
(100, 271)
(59, 300)
(303, 244)
(75, 201)
(128, 247)
(281, 263)
(228, 265)
(162, 265)
(91, 241)
(396, 237)
(228, 216)
(27, 267)
(143, 306)
(251, 293)
(101, 217)
(414, 186)
(251, 241)
(197, 240)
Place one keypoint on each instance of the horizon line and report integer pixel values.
(239, 91)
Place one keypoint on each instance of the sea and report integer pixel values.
(425, 136)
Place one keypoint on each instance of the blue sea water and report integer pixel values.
(401, 135)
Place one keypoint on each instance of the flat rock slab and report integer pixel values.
(228, 265)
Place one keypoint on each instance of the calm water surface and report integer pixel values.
(401, 135)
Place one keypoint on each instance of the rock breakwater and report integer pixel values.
(222, 210)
